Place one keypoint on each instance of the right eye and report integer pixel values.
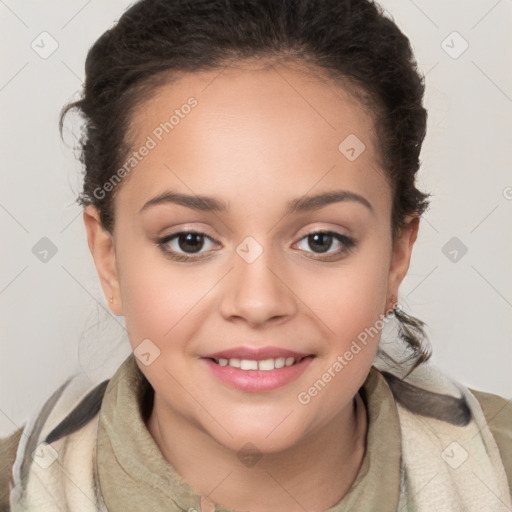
(189, 242)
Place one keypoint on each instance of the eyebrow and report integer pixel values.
(299, 205)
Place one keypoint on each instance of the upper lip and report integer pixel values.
(257, 354)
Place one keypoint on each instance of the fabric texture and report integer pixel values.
(444, 459)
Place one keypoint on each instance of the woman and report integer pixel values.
(282, 138)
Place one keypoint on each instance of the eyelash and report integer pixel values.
(347, 242)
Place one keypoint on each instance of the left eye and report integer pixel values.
(323, 240)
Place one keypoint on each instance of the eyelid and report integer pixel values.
(167, 238)
(194, 227)
(339, 230)
(299, 236)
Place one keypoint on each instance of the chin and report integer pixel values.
(265, 438)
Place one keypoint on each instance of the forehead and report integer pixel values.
(252, 126)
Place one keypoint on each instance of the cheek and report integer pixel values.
(350, 305)
(159, 297)
(351, 297)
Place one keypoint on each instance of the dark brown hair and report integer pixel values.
(352, 40)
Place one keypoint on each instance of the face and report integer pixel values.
(269, 276)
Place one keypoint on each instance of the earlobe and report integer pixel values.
(101, 245)
(401, 253)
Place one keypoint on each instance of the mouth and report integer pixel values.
(257, 370)
(265, 365)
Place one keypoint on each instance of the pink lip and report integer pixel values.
(257, 381)
(255, 353)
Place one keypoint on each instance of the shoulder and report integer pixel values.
(71, 407)
(498, 414)
(8, 448)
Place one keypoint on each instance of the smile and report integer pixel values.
(263, 364)
(257, 375)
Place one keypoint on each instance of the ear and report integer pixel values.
(101, 245)
(401, 254)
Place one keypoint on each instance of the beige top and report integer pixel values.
(129, 459)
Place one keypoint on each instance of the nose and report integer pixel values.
(258, 292)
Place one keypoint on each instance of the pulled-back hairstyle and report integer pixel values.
(349, 40)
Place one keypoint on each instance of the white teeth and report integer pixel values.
(279, 362)
(247, 364)
(264, 364)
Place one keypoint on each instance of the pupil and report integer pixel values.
(188, 241)
(323, 239)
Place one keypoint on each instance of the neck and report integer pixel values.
(314, 475)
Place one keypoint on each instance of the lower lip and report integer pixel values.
(258, 381)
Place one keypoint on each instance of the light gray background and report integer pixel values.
(54, 319)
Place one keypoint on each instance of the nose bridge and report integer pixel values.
(256, 291)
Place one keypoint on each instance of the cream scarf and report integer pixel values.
(446, 467)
